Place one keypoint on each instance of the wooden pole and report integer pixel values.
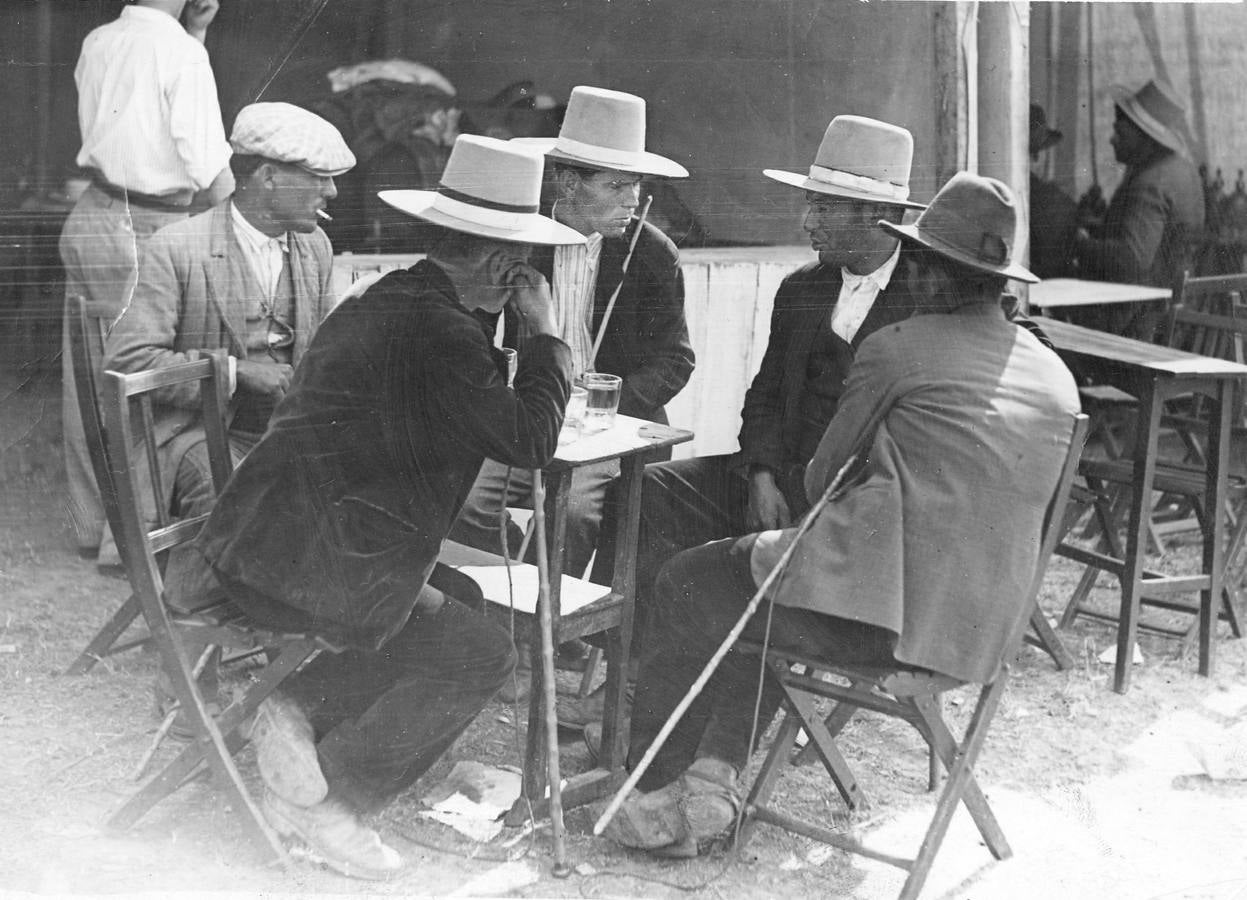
(951, 91)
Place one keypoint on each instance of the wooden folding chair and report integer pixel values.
(128, 422)
(907, 694)
(86, 343)
(1209, 318)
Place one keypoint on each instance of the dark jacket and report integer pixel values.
(771, 424)
(335, 520)
(1154, 213)
(646, 341)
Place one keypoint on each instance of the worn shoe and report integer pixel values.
(285, 752)
(575, 713)
(336, 836)
(593, 739)
(679, 819)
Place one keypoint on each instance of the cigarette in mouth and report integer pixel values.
(324, 215)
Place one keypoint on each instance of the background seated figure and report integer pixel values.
(959, 417)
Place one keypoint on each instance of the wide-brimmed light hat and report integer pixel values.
(1156, 109)
(489, 188)
(859, 158)
(605, 129)
(971, 221)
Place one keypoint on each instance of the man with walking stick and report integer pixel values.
(924, 558)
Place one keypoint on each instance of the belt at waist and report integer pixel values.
(138, 199)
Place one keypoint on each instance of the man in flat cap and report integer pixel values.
(1157, 208)
(333, 524)
(155, 150)
(249, 278)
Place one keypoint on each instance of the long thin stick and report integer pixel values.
(548, 686)
(1095, 168)
(724, 648)
(610, 307)
(165, 725)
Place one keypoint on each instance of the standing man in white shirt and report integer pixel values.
(154, 145)
(251, 278)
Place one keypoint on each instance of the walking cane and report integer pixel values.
(548, 687)
(728, 642)
(610, 306)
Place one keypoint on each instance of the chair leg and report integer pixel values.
(102, 644)
(591, 669)
(768, 775)
(1049, 641)
(824, 744)
(835, 723)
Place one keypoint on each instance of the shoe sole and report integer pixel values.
(290, 832)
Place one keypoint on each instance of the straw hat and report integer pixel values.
(1157, 110)
(972, 221)
(859, 158)
(605, 130)
(489, 188)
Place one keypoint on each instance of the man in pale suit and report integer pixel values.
(249, 278)
(959, 420)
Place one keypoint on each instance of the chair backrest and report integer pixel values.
(134, 468)
(1054, 527)
(86, 347)
(1209, 316)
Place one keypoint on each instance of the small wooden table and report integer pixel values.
(589, 608)
(1154, 374)
(1064, 293)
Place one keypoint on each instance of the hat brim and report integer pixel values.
(805, 182)
(913, 235)
(642, 163)
(1051, 136)
(533, 228)
(1124, 99)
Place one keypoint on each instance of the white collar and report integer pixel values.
(880, 277)
(255, 236)
(154, 16)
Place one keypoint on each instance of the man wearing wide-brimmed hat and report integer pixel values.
(594, 170)
(960, 420)
(1155, 211)
(333, 523)
(822, 313)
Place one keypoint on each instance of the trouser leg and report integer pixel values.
(485, 507)
(700, 596)
(388, 715)
(188, 579)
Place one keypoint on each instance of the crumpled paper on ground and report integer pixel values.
(1225, 758)
(472, 799)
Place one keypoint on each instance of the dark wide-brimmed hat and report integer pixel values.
(1156, 109)
(1041, 137)
(604, 129)
(971, 221)
(489, 188)
(859, 158)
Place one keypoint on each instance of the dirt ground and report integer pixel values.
(1101, 795)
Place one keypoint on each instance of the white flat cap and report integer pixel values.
(287, 133)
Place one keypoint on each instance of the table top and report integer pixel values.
(627, 437)
(1066, 292)
(1156, 358)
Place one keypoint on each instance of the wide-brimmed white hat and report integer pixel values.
(489, 188)
(971, 221)
(605, 130)
(859, 158)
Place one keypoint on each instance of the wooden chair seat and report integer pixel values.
(903, 692)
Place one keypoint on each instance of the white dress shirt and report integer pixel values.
(575, 278)
(147, 106)
(266, 255)
(857, 296)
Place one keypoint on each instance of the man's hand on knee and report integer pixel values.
(767, 507)
(266, 379)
